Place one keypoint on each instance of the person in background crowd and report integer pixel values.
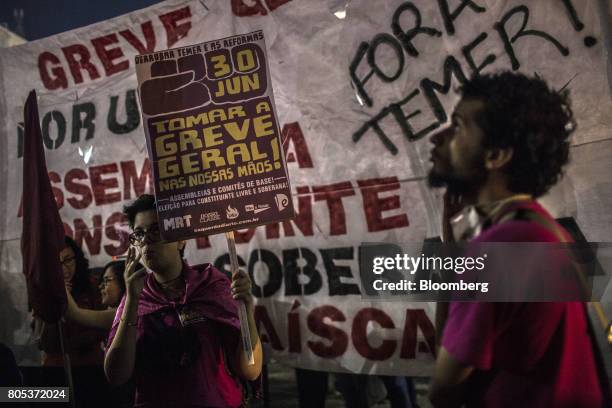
(177, 329)
(507, 144)
(356, 389)
(312, 387)
(112, 285)
(112, 290)
(82, 344)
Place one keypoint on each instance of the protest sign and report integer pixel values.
(213, 137)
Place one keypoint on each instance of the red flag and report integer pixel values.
(43, 232)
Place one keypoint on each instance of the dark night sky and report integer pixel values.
(42, 18)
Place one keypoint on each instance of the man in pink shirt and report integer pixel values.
(506, 146)
(177, 330)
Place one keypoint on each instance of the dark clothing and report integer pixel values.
(312, 388)
(84, 347)
(83, 344)
(90, 386)
(400, 391)
(10, 376)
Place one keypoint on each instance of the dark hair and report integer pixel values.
(524, 114)
(117, 267)
(143, 203)
(80, 279)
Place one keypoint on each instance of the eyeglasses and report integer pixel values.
(106, 281)
(138, 237)
(67, 261)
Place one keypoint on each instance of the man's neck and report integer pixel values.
(171, 273)
(494, 189)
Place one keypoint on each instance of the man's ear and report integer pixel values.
(497, 158)
(181, 245)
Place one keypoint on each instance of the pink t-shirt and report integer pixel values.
(181, 346)
(525, 354)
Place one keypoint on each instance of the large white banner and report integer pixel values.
(359, 86)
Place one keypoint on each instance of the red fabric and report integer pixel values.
(166, 375)
(43, 232)
(525, 354)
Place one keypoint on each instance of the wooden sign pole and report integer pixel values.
(67, 363)
(242, 313)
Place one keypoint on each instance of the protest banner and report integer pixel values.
(359, 90)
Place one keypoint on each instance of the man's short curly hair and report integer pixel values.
(143, 203)
(524, 114)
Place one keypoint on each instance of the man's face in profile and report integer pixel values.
(458, 156)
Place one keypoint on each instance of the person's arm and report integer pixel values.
(468, 344)
(241, 291)
(121, 355)
(447, 388)
(440, 320)
(100, 319)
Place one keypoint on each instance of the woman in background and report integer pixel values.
(112, 289)
(82, 344)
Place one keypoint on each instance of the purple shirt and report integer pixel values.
(525, 354)
(181, 347)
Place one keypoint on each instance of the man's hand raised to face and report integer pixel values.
(134, 279)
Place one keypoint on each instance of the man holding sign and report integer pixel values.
(177, 329)
(216, 156)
